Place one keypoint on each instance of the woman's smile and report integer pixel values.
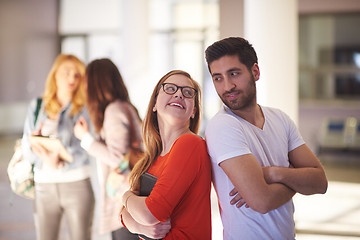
(177, 105)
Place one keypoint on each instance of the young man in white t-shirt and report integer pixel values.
(259, 158)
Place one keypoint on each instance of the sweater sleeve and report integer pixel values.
(183, 164)
(116, 136)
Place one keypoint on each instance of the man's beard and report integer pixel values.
(245, 99)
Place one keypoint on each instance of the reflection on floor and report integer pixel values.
(335, 215)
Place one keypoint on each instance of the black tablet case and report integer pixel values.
(147, 182)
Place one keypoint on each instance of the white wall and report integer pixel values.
(28, 46)
(135, 50)
(272, 28)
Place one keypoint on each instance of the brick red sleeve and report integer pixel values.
(181, 169)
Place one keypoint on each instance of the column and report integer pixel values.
(272, 28)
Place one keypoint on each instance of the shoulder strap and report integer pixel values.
(37, 110)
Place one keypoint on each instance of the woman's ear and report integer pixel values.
(154, 108)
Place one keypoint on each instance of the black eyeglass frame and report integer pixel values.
(177, 88)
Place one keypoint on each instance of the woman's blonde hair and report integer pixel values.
(52, 106)
(151, 134)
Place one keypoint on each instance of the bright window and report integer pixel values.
(329, 56)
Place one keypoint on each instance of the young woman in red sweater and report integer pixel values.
(178, 206)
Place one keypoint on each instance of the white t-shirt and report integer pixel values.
(227, 136)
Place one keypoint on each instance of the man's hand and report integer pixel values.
(246, 175)
(304, 175)
(238, 200)
(271, 175)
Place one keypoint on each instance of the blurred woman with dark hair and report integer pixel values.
(117, 128)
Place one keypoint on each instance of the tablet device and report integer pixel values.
(52, 144)
(147, 182)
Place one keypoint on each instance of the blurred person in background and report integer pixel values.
(62, 188)
(117, 129)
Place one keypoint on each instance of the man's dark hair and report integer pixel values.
(232, 46)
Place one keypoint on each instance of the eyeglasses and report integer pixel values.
(170, 88)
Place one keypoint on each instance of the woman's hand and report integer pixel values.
(157, 231)
(49, 159)
(81, 128)
(37, 132)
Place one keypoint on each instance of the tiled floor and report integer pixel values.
(333, 216)
(336, 214)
